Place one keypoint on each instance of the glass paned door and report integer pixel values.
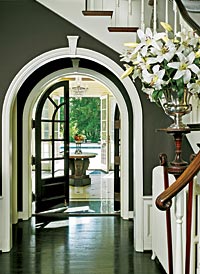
(51, 136)
(104, 134)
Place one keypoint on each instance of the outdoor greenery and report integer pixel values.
(85, 118)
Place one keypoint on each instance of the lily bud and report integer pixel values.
(166, 26)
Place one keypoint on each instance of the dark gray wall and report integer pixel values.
(27, 29)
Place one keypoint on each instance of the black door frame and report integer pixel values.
(54, 189)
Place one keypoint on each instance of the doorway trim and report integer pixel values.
(7, 141)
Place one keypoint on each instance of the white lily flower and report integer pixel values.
(149, 91)
(156, 78)
(184, 67)
(165, 62)
(142, 62)
(188, 38)
(165, 52)
(147, 39)
(194, 87)
(137, 73)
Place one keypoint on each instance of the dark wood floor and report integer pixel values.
(86, 245)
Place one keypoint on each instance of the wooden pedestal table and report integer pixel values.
(78, 164)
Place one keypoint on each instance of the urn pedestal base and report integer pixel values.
(78, 164)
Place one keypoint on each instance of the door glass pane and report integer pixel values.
(56, 94)
(59, 168)
(62, 112)
(57, 114)
(103, 114)
(46, 169)
(103, 154)
(103, 125)
(61, 133)
(58, 148)
(46, 129)
(58, 130)
(103, 104)
(46, 149)
(48, 110)
(103, 136)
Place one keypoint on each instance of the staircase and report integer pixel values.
(111, 22)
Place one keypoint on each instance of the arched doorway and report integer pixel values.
(53, 184)
(136, 141)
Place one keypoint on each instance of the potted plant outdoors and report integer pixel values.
(168, 65)
(78, 138)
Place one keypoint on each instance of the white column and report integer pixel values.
(179, 212)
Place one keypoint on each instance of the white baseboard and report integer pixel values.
(147, 207)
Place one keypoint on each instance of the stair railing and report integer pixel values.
(188, 19)
(167, 10)
(163, 201)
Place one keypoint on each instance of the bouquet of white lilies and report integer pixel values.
(165, 62)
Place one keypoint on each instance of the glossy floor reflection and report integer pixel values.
(80, 245)
(97, 197)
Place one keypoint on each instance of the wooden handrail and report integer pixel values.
(163, 201)
(187, 17)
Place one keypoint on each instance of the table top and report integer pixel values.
(188, 129)
(82, 155)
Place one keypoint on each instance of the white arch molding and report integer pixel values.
(6, 200)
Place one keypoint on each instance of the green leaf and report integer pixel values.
(180, 87)
(157, 95)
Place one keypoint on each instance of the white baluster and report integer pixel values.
(154, 16)
(166, 11)
(130, 7)
(179, 211)
(196, 111)
(142, 15)
(117, 12)
(194, 237)
(91, 5)
(175, 16)
(198, 224)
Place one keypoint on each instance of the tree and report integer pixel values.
(85, 117)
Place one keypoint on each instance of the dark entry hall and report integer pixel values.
(79, 245)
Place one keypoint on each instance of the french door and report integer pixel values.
(105, 133)
(117, 159)
(52, 148)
